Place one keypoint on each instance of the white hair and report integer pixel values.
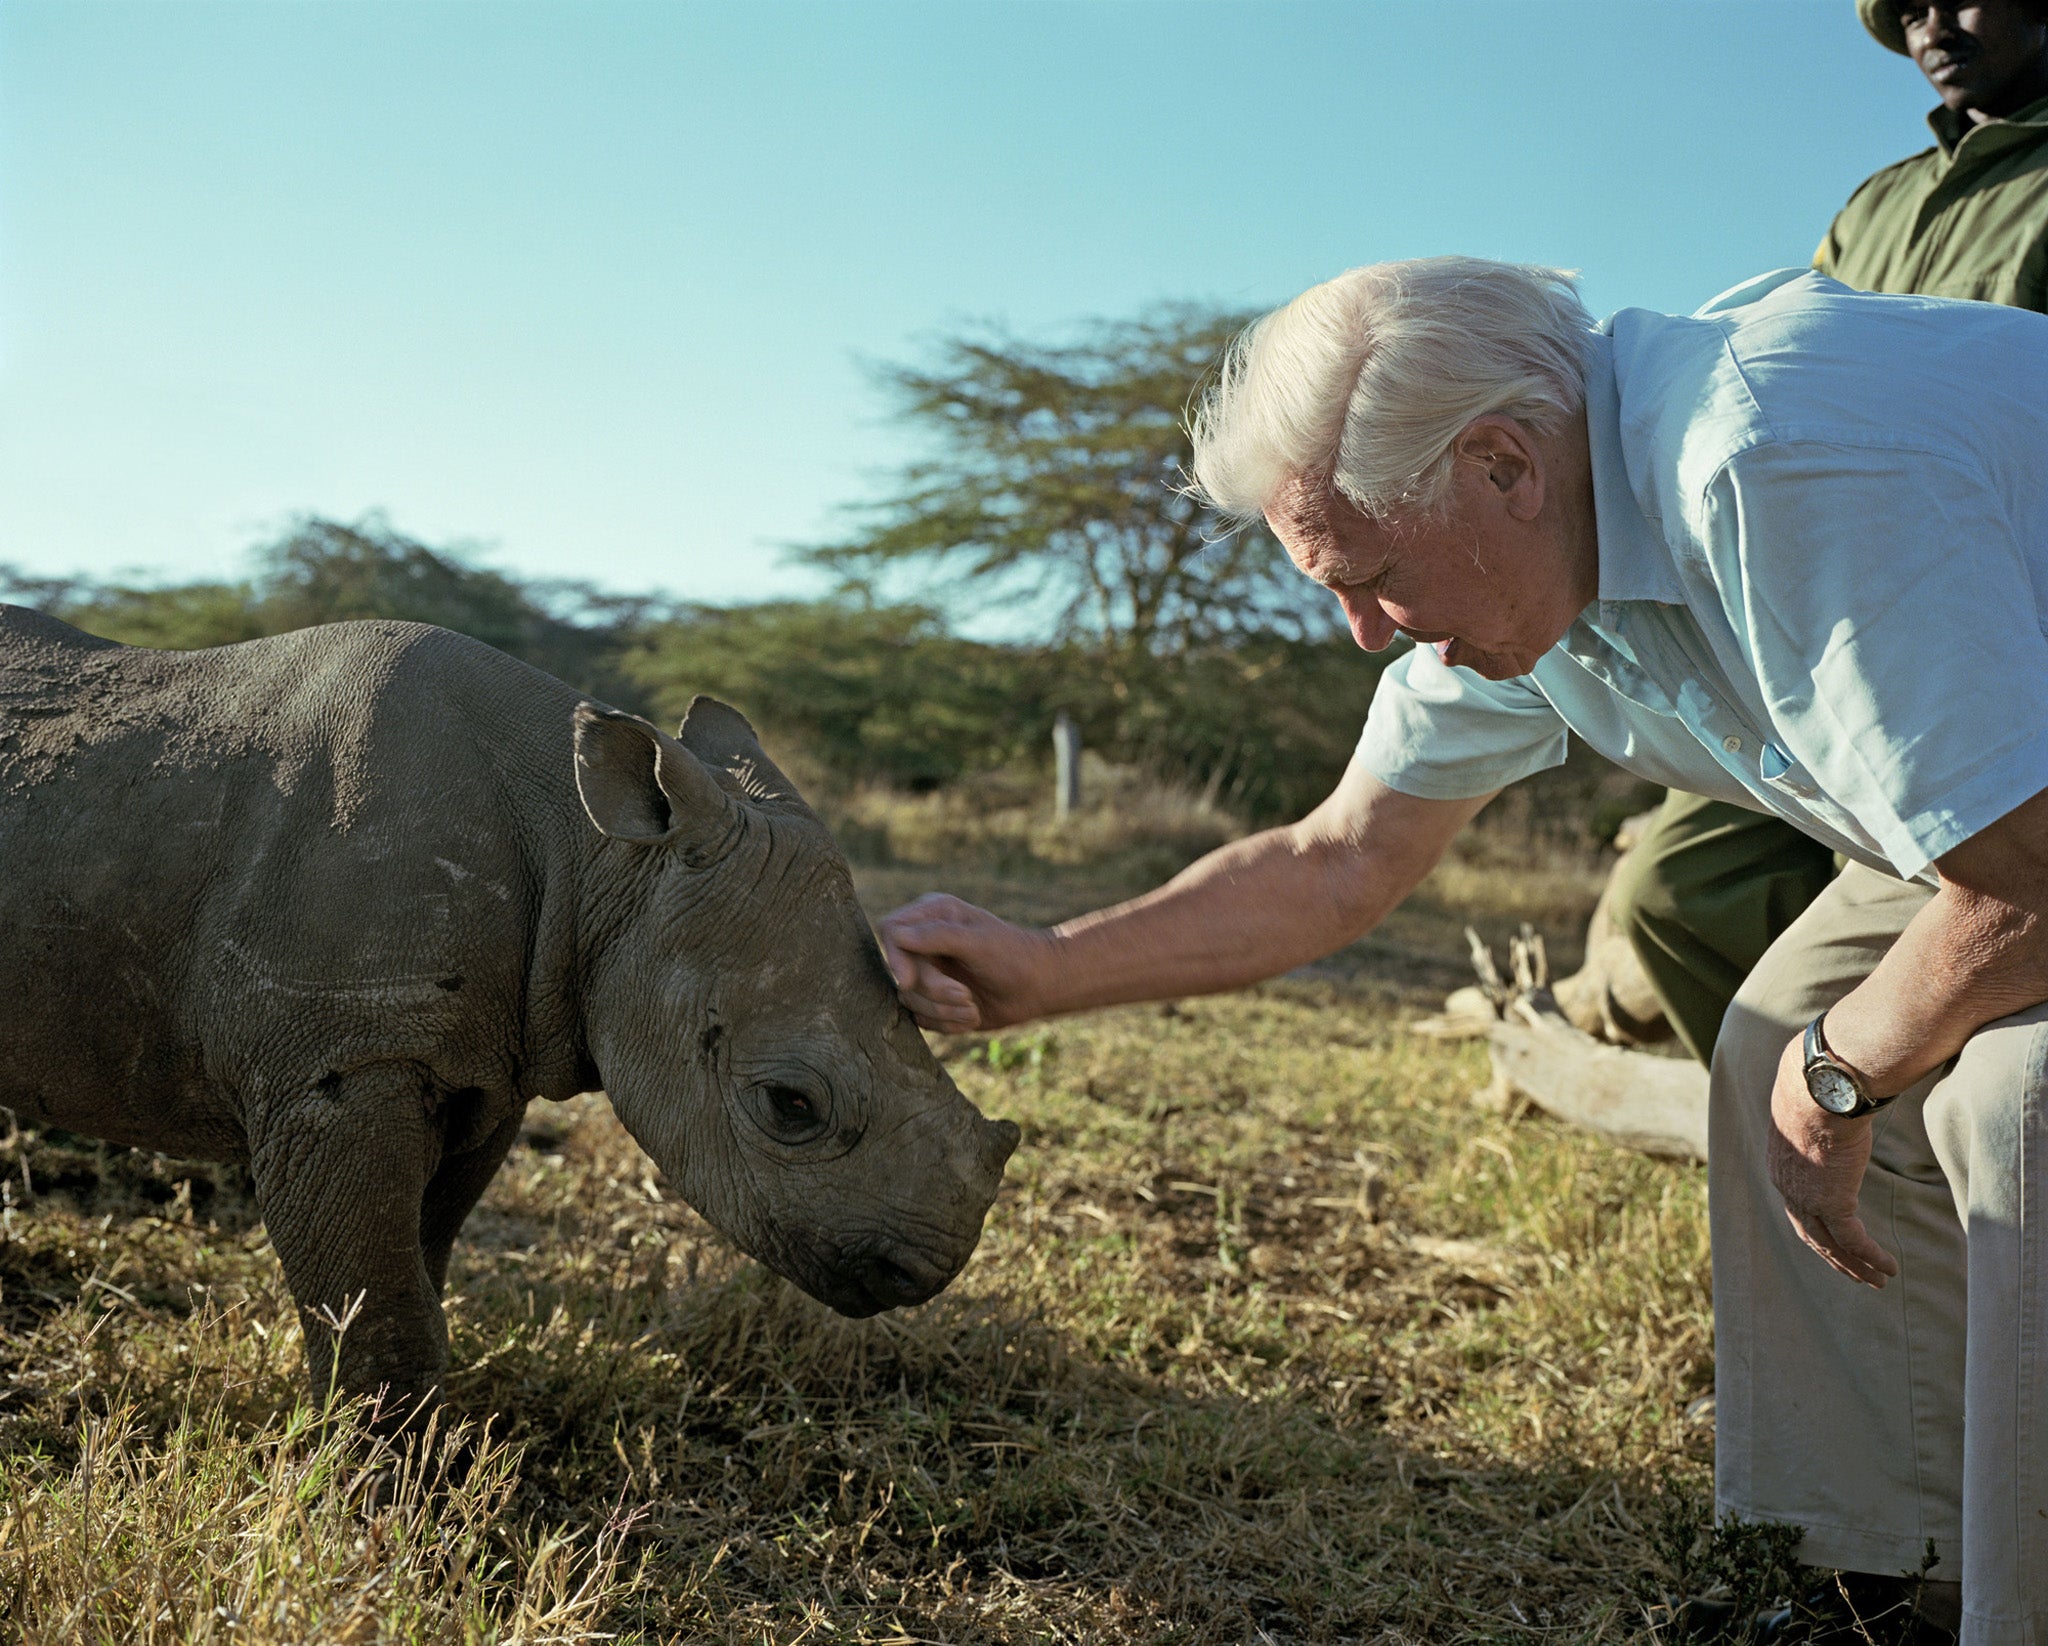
(1371, 377)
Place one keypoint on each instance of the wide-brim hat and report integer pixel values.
(1881, 17)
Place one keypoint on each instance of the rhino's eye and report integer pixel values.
(788, 1113)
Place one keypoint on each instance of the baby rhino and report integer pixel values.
(340, 903)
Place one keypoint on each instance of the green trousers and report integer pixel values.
(1702, 895)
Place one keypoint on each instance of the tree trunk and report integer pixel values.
(1066, 760)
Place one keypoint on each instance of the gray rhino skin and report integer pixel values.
(339, 903)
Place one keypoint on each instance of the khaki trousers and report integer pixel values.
(1884, 1421)
(1703, 895)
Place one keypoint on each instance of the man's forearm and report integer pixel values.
(1978, 951)
(1964, 961)
(1257, 907)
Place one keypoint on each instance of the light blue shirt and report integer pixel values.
(1823, 529)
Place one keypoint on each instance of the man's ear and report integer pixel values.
(1508, 459)
(638, 784)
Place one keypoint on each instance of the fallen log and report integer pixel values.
(1655, 1105)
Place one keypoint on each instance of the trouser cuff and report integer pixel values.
(1858, 1549)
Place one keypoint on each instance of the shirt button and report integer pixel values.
(1732, 744)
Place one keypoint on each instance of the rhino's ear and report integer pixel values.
(720, 736)
(638, 784)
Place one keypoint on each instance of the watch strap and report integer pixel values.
(1817, 1051)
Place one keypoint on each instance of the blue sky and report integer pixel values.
(589, 285)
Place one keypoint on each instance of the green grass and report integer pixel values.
(1273, 1336)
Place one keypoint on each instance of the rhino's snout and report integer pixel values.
(872, 1275)
(877, 1277)
(897, 1285)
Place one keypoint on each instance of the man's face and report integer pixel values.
(1988, 58)
(1487, 589)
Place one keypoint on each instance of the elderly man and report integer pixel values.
(1710, 885)
(1790, 552)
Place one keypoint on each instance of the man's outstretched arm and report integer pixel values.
(1250, 910)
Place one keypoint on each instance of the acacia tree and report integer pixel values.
(1058, 477)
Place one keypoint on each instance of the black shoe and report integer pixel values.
(1697, 1618)
(1841, 1609)
(1862, 1609)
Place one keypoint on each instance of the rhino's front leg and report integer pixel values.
(340, 1171)
(456, 1187)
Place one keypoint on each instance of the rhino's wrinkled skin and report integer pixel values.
(341, 902)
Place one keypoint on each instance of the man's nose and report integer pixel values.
(1371, 627)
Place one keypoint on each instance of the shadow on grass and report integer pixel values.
(1270, 1337)
(965, 1472)
(52, 1172)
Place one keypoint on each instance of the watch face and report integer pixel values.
(1832, 1090)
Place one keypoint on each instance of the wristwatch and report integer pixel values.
(1831, 1083)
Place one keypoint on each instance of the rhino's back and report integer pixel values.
(308, 849)
(72, 700)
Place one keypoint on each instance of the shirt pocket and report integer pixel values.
(1785, 774)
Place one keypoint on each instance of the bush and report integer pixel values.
(326, 572)
(858, 692)
(850, 693)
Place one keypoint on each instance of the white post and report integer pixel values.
(1066, 757)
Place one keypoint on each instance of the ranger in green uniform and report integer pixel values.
(1968, 217)
(1710, 885)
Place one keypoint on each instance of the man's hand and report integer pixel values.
(960, 968)
(1252, 909)
(1817, 1163)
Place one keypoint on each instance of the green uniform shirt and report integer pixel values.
(1967, 218)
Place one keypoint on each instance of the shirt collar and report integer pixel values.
(1951, 128)
(1635, 562)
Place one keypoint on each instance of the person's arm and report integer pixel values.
(1977, 952)
(1250, 910)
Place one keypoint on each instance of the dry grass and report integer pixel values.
(1131, 827)
(1272, 1336)
(295, 1532)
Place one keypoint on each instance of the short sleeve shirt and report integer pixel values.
(1823, 575)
